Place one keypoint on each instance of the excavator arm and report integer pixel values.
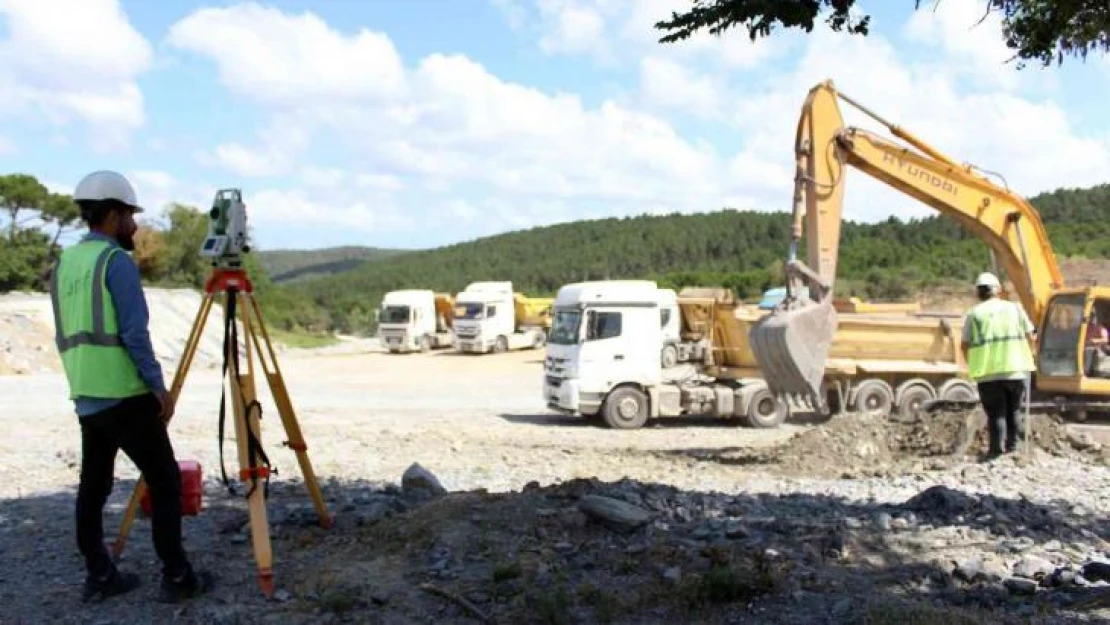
(791, 343)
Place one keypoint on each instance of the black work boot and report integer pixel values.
(99, 588)
(190, 584)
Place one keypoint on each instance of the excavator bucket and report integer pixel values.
(791, 345)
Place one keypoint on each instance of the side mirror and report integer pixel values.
(591, 325)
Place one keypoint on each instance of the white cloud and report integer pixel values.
(279, 144)
(615, 31)
(323, 176)
(575, 29)
(294, 208)
(466, 144)
(156, 190)
(1028, 141)
(7, 146)
(668, 84)
(970, 36)
(291, 60)
(73, 59)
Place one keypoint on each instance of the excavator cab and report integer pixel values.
(1073, 354)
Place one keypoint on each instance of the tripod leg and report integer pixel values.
(243, 394)
(288, 417)
(178, 381)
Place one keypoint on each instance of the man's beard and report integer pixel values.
(127, 242)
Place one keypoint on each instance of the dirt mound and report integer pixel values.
(857, 445)
(27, 330)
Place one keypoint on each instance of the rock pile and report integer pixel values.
(854, 446)
(588, 551)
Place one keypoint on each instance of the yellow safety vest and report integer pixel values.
(998, 343)
(95, 361)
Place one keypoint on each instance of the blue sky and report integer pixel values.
(415, 123)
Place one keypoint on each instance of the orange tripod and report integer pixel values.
(237, 289)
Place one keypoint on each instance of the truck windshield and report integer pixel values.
(564, 328)
(473, 310)
(395, 314)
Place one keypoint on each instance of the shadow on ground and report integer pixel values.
(578, 552)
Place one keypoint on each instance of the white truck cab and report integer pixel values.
(604, 335)
(613, 352)
(486, 320)
(408, 322)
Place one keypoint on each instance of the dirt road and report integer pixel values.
(476, 421)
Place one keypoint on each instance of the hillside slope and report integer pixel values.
(740, 250)
(291, 265)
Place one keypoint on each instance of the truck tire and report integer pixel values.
(957, 390)
(425, 344)
(669, 357)
(910, 400)
(501, 345)
(765, 411)
(626, 408)
(874, 397)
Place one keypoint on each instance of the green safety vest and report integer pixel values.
(95, 361)
(998, 343)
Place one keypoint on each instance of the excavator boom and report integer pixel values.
(791, 344)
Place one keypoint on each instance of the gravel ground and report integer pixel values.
(715, 523)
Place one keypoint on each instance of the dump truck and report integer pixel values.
(795, 341)
(491, 317)
(415, 320)
(603, 356)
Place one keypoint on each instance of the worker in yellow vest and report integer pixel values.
(998, 345)
(115, 382)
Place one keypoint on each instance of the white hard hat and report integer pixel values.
(106, 185)
(987, 279)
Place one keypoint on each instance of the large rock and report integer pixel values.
(418, 480)
(615, 513)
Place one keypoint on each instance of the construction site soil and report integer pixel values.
(458, 498)
(868, 446)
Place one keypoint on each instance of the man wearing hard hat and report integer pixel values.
(998, 344)
(115, 382)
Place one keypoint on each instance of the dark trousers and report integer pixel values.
(1002, 402)
(134, 426)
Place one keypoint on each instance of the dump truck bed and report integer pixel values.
(893, 339)
(445, 305)
(533, 311)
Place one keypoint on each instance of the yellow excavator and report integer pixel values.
(791, 343)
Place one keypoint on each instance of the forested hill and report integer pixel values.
(741, 250)
(290, 265)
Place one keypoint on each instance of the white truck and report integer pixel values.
(609, 356)
(491, 317)
(415, 320)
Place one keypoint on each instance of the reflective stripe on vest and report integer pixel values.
(998, 343)
(98, 336)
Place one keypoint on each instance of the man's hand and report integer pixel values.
(167, 402)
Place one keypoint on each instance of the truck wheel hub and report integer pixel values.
(628, 407)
